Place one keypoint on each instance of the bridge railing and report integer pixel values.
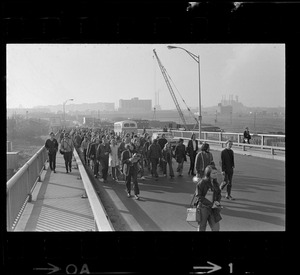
(261, 141)
(20, 186)
(102, 222)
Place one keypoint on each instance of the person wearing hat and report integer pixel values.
(52, 148)
(67, 147)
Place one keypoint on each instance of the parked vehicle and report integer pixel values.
(125, 126)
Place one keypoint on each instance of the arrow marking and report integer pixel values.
(212, 268)
(52, 269)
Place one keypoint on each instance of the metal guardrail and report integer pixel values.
(102, 222)
(260, 141)
(20, 186)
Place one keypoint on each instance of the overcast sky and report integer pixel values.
(48, 74)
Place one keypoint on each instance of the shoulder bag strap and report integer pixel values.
(192, 199)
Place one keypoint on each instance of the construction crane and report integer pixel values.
(164, 73)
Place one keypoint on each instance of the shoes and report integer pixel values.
(136, 197)
(95, 176)
(70, 170)
(143, 178)
(102, 180)
(165, 175)
(67, 172)
(54, 171)
(229, 197)
(171, 177)
(128, 195)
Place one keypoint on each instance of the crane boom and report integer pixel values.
(163, 71)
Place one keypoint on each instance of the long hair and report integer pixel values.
(204, 147)
(208, 171)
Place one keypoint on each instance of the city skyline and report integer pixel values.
(49, 74)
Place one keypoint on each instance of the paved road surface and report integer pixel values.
(258, 189)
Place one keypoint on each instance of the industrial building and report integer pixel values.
(135, 105)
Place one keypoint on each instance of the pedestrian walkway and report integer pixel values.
(258, 189)
(57, 203)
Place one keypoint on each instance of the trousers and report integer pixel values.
(104, 165)
(206, 216)
(228, 179)
(68, 160)
(52, 160)
(154, 163)
(132, 175)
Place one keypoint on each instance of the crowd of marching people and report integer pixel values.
(129, 155)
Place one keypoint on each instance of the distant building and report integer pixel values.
(229, 106)
(225, 110)
(135, 105)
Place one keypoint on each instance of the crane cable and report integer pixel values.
(190, 112)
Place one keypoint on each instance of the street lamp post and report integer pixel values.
(64, 111)
(197, 59)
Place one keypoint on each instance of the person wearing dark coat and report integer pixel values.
(191, 151)
(227, 160)
(203, 159)
(67, 147)
(247, 136)
(91, 153)
(162, 142)
(52, 148)
(102, 156)
(180, 156)
(129, 161)
(207, 203)
(154, 154)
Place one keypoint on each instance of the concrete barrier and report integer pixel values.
(101, 218)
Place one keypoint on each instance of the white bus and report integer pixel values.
(125, 126)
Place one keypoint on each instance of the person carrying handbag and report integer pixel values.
(208, 203)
